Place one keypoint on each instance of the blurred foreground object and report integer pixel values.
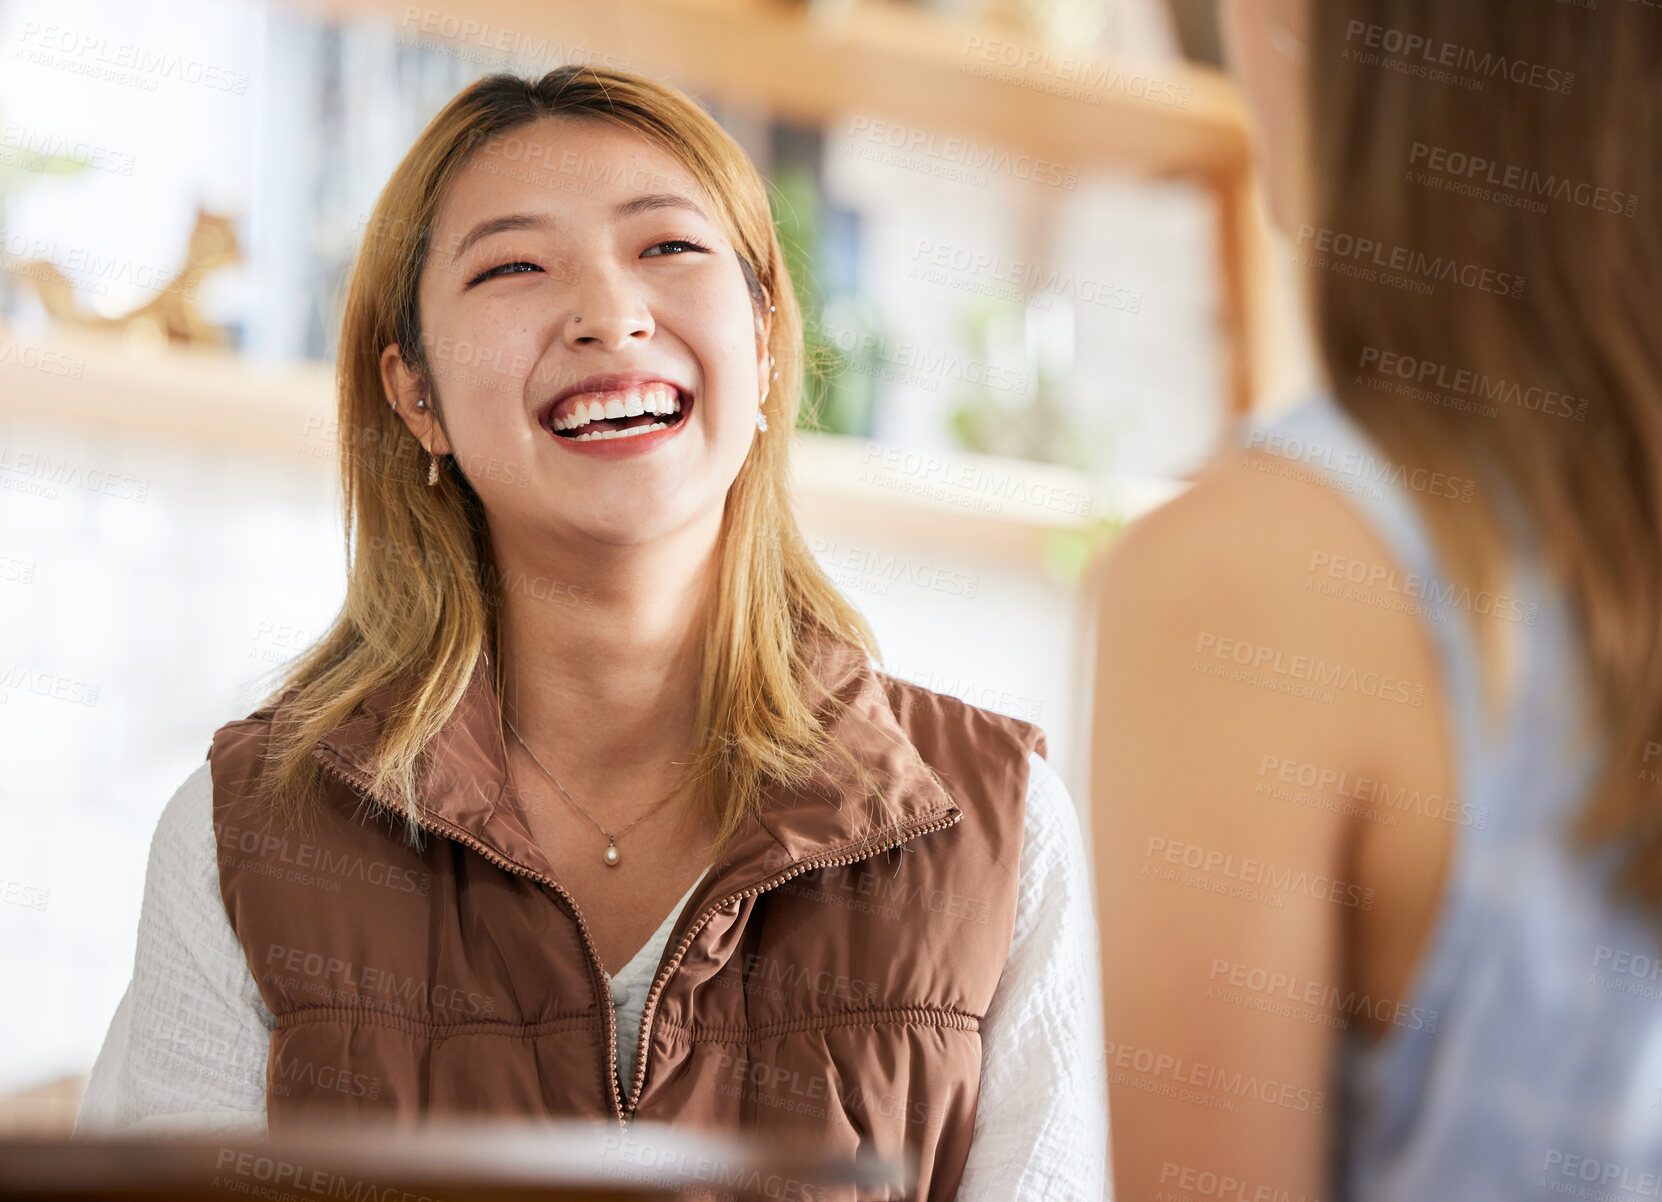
(457, 1161)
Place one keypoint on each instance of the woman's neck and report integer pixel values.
(602, 650)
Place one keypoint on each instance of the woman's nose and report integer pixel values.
(606, 311)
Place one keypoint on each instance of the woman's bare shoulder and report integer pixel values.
(1249, 519)
(1249, 579)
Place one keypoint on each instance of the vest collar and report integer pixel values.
(468, 790)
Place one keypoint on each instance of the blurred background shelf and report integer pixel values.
(814, 63)
(214, 400)
(203, 396)
(929, 73)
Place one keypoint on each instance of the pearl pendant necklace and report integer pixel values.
(610, 857)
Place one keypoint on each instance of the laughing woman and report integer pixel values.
(591, 802)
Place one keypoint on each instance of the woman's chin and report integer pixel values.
(633, 521)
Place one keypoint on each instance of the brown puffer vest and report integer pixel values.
(819, 985)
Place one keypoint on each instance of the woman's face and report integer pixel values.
(1267, 44)
(567, 252)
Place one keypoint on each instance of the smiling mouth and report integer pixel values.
(621, 412)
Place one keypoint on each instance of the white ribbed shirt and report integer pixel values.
(187, 1047)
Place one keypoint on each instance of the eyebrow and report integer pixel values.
(537, 221)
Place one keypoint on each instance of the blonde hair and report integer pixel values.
(1571, 225)
(421, 584)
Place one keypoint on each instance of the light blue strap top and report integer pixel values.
(1527, 1060)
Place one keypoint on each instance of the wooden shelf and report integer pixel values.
(827, 64)
(200, 396)
(904, 63)
(984, 504)
(215, 401)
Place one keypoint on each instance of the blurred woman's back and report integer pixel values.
(1382, 694)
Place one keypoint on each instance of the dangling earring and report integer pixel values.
(762, 418)
(432, 470)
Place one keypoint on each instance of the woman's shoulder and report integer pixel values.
(185, 825)
(1248, 516)
(1053, 855)
(1051, 813)
(992, 765)
(238, 751)
(925, 713)
(1264, 616)
(182, 877)
(1260, 555)
(256, 725)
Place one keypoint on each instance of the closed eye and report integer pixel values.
(676, 242)
(502, 269)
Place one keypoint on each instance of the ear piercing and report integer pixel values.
(432, 460)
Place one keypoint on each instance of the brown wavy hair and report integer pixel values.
(1563, 216)
(421, 583)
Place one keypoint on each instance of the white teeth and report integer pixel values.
(629, 433)
(656, 398)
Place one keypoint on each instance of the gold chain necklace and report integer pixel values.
(611, 856)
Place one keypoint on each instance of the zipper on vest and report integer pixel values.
(623, 1109)
(892, 839)
(449, 831)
